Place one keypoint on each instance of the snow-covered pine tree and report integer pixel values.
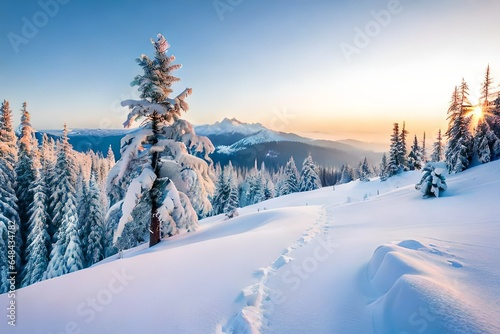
(9, 216)
(110, 157)
(63, 184)
(395, 164)
(403, 147)
(346, 174)
(38, 241)
(424, 150)
(433, 182)
(94, 250)
(437, 149)
(25, 171)
(232, 203)
(47, 172)
(83, 209)
(162, 182)
(8, 140)
(47, 159)
(4, 255)
(66, 256)
(255, 189)
(494, 116)
(486, 142)
(309, 179)
(264, 185)
(458, 151)
(364, 171)
(269, 189)
(490, 105)
(222, 191)
(415, 156)
(278, 180)
(291, 178)
(384, 168)
(486, 87)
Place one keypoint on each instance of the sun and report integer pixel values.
(477, 112)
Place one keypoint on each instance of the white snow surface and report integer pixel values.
(369, 257)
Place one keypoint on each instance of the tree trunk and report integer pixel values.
(154, 229)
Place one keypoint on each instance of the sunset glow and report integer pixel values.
(477, 113)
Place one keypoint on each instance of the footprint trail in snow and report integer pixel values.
(252, 318)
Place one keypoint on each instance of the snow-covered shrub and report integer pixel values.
(433, 182)
(233, 213)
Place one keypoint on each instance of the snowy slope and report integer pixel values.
(263, 136)
(361, 258)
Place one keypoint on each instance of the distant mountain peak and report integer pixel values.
(233, 121)
(229, 125)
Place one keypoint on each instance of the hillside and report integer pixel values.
(358, 258)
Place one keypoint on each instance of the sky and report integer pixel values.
(323, 68)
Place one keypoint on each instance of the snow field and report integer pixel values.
(259, 299)
(327, 261)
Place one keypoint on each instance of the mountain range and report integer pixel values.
(242, 144)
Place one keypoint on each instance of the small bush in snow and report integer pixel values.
(432, 183)
(233, 213)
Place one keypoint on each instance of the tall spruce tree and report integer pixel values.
(232, 202)
(163, 174)
(222, 191)
(384, 168)
(66, 256)
(291, 178)
(403, 147)
(494, 116)
(62, 184)
(309, 179)
(395, 164)
(255, 188)
(4, 255)
(25, 171)
(110, 157)
(486, 142)
(346, 174)
(424, 150)
(38, 241)
(458, 152)
(364, 171)
(486, 87)
(269, 188)
(9, 216)
(94, 250)
(219, 186)
(437, 148)
(83, 209)
(415, 156)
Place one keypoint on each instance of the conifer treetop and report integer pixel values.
(155, 87)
